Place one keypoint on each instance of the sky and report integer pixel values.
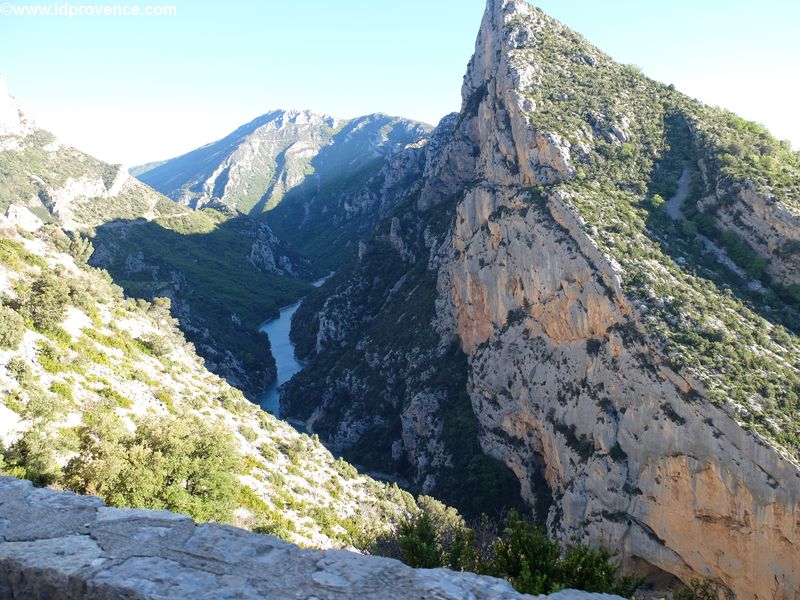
(136, 89)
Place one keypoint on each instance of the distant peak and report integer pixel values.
(295, 116)
(12, 120)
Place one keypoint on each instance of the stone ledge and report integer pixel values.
(59, 546)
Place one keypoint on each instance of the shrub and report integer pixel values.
(45, 301)
(51, 358)
(697, 590)
(522, 554)
(33, 456)
(437, 536)
(21, 371)
(62, 390)
(12, 328)
(156, 345)
(656, 201)
(179, 463)
(248, 433)
(345, 469)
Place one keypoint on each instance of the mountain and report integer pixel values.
(225, 273)
(324, 175)
(586, 296)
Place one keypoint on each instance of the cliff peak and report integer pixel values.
(13, 121)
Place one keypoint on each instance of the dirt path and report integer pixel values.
(674, 203)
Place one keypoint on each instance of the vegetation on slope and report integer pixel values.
(102, 394)
(396, 356)
(342, 196)
(518, 551)
(153, 247)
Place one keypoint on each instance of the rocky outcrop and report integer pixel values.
(767, 226)
(59, 546)
(22, 217)
(611, 442)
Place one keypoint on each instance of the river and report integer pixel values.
(283, 351)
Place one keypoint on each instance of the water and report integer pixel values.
(283, 351)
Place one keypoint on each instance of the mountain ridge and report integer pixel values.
(194, 178)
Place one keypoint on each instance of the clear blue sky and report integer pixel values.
(133, 89)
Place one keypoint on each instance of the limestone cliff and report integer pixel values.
(595, 339)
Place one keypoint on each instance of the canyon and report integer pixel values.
(577, 298)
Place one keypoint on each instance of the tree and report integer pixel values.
(418, 546)
(33, 456)
(526, 557)
(657, 201)
(45, 302)
(522, 554)
(12, 328)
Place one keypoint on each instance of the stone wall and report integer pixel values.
(58, 546)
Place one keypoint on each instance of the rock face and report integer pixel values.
(323, 180)
(59, 546)
(250, 168)
(349, 187)
(611, 441)
(769, 227)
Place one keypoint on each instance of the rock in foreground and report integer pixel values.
(57, 545)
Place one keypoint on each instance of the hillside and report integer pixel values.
(587, 293)
(103, 395)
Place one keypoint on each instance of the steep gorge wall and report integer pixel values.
(611, 444)
(566, 384)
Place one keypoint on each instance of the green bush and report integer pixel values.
(697, 590)
(45, 301)
(180, 464)
(522, 554)
(33, 456)
(345, 469)
(12, 328)
(51, 358)
(743, 255)
(21, 371)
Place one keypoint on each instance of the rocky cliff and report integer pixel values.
(13, 121)
(641, 392)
